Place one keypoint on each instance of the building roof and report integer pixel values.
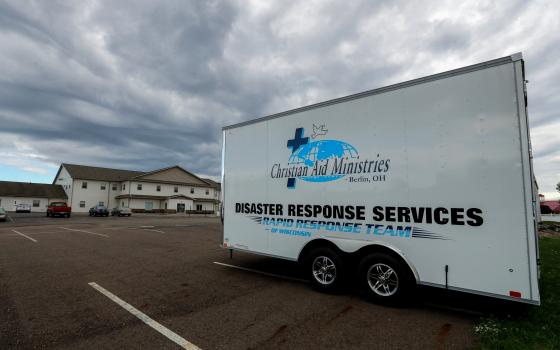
(84, 172)
(179, 196)
(140, 196)
(185, 177)
(207, 200)
(552, 204)
(213, 183)
(31, 190)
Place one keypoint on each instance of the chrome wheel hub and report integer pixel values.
(324, 270)
(382, 280)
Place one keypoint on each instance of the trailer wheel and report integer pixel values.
(385, 279)
(326, 269)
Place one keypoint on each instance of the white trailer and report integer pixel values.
(425, 182)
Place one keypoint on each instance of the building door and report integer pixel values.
(180, 207)
(199, 207)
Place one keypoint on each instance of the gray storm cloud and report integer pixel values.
(144, 84)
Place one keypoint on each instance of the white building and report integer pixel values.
(171, 189)
(38, 196)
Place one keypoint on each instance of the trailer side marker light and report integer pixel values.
(514, 294)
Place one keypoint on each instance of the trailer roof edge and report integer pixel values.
(458, 71)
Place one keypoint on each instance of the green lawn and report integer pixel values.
(539, 328)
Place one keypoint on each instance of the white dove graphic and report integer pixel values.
(319, 130)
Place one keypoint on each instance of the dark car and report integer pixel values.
(121, 212)
(3, 214)
(99, 210)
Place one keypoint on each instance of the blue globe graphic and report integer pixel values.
(312, 152)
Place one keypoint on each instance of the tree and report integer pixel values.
(558, 187)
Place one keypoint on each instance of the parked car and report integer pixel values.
(23, 208)
(59, 209)
(3, 215)
(99, 210)
(121, 212)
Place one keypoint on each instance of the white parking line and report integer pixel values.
(26, 236)
(12, 220)
(262, 272)
(177, 339)
(147, 229)
(84, 231)
(42, 232)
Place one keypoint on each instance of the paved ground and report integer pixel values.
(165, 267)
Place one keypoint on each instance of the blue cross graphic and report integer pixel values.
(298, 140)
(294, 144)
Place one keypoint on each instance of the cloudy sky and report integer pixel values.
(147, 84)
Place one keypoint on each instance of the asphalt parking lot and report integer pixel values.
(153, 282)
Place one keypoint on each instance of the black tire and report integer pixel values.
(48, 214)
(386, 279)
(68, 215)
(324, 278)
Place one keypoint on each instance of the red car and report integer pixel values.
(59, 209)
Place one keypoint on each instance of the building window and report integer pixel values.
(139, 187)
(207, 191)
(192, 190)
(114, 188)
(158, 188)
(36, 203)
(82, 204)
(122, 204)
(84, 184)
(176, 189)
(123, 187)
(102, 203)
(103, 187)
(148, 205)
